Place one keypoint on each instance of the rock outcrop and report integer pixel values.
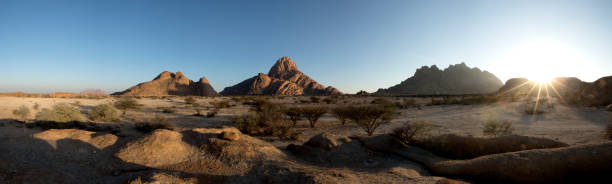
(168, 83)
(284, 78)
(571, 90)
(456, 79)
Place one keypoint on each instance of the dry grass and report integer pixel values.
(158, 122)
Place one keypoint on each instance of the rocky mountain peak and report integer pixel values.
(283, 66)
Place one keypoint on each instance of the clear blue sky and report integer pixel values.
(48, 46)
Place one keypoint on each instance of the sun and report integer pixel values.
(541, 60)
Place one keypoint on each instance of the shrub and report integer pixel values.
(158, 122)
(220, 104)
(77, 103)
(312, 114)
(126, 104)
(267, 119)
(61, 113)
(211, 114)
(36, 106)
(411, 130)
(104, 112)
(341, 113)
(169, 110)
(406, 103)
(22, 113)
(315, 99)
(531, 109)
(493, 128)
(294, 114)
(608, 132)
(190, 100)
(197, 108)
(369, 117)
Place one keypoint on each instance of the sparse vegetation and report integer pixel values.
(197, 107)
(312, 114)
(369, 117)
(220, 104)
(494, 129)
(158, 122)
(22, 113)
(126, 104)
(315, 99)
(267, 119)
(294, 114)
(61, 113)
(36, 106)
(104, 112)
(341, 113)
(532, 109)
(411, 131)
(169, 110)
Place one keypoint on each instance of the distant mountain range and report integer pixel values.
(284, 78)
(570, 89)
(456, 79)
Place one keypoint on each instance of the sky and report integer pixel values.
(72, 45)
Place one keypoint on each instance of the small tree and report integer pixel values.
(341, 113)
(104, 112)
(22, 113)
(493, 128)
(126, 104)
(370, 117)
(312, 114)
(294, 114)
(411, 130)
(190, 100)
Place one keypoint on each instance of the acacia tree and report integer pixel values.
(294, 114)
(126, 104)
(312, 114)
(341, 113)
(369, 117)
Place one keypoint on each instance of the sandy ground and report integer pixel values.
(569, 124)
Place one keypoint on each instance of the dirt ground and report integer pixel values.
(568, 124)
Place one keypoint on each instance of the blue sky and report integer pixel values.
(48, 46)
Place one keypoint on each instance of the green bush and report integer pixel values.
(104, 112)
(61, 113)
(412, 130)
(493, 128)
(369, 117)
(126, 104)
(22, 113)
(158, 122)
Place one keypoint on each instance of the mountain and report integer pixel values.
(284, 78)
(570, 89)
(456, 79)
(168, 83)
(92, 92)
